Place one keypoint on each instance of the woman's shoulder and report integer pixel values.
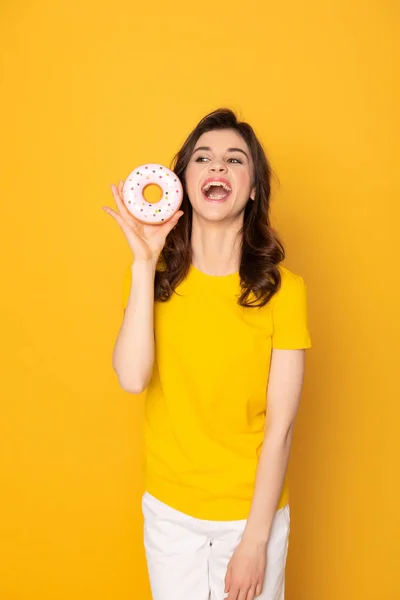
(292, 285)
(289, 276)
(290, 312)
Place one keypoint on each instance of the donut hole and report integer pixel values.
(152, 193)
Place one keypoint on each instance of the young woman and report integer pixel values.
(215, 330)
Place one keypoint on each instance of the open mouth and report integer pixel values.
(216, 190)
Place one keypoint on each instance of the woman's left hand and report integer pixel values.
(245, 573)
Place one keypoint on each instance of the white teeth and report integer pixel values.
(213, 197)
(216, 183)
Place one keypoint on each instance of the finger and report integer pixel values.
(131, 235)
(251, 594)
(169, 225)
(120, 220)
(259, 589)
(233, 593)
(227, 580)
(119, 201)
(178, 215)
(176, 218)
(121, 193)
(116, 216)
(243, 593)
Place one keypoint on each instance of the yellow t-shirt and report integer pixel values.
(206, 402)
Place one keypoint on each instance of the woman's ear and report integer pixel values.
(253, 194)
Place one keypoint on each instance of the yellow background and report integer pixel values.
(88, 91)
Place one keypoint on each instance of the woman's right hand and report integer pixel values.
(145, 241)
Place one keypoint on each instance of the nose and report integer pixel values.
(217, 166)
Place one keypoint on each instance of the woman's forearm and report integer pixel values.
(133, 354)
(283, 398)
(271, 471)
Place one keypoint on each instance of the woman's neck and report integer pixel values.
(216, 246)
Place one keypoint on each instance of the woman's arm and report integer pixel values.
(283, 397)
(133, 354)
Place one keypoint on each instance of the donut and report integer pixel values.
(152, 212)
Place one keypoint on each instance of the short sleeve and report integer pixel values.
(289, 313)
(126, 287)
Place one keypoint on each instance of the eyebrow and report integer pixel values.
(208, 149)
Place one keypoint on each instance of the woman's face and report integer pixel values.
(219, 175)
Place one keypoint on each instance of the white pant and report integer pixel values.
(187, 558)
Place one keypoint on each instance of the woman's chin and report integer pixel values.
(212, 214)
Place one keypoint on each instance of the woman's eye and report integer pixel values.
(231, 160)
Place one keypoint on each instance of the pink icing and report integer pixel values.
(155, 212)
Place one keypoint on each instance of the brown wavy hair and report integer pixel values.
(261, 249)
